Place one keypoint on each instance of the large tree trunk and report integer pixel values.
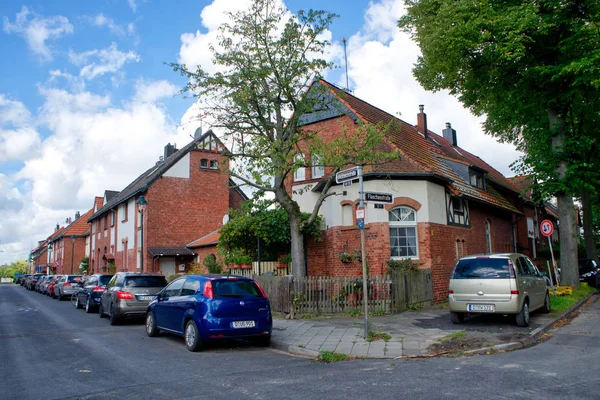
(297, 242)
(566, 209)
(588, 230)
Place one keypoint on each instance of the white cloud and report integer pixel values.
(18, 138)
(38, 30)
(150, 92)
(132, 5)
(96, 63)
(13, 112)
(101, 20)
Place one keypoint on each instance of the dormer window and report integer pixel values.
(457, 210)
(476, 179)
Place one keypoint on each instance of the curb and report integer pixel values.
(298, 351)
(534, 335)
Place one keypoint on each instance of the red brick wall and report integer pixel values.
(182, 210)
(437, 246)
(105, 241)
(78, 254)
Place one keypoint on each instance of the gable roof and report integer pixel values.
(142, 182)
(79, 227)
(433, 155)
(210, 239)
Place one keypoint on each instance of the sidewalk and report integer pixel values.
(412, 332)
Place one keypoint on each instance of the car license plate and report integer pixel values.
(146, 298)
(242, 324)
(481, 307)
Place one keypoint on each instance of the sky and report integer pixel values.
(87, 102)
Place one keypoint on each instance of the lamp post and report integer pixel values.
(142, 204)
(72, 251)
(49, 257)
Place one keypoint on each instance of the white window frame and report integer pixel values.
(408, 219)
(317, 171)
(300, 173)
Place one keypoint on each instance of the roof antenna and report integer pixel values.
(346, 59)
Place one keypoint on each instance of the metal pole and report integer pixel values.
(553, 262)
(142, 241)
(258, 251)
(72, 254)
(363, 249)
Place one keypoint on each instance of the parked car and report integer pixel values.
(203, 308)
(92, 288)
(51, 284)
(66, 286)
(589, 271)
(32, 281)
(22, 279)
(497, 283)
(128, 295)
(41, 282)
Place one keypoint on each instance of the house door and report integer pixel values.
(167, 266)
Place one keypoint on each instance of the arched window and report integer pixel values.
(347, 219)
(488, 236)
(403, 233)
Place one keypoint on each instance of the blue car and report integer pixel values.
(204, 308)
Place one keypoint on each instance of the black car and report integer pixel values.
(32, 281)
(589, 271)
(88, 296)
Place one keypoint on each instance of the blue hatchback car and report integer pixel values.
(204, 308)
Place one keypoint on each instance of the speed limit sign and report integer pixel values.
(546, 227)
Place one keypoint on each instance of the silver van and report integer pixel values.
(507, 283)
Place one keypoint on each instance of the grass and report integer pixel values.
(331, 356)
(562, 304)
(456, 335)
(378, 336)
(354, 313)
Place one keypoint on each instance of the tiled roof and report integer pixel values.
(523, 184)
(56, 234)
(207, 240)
(79, 227)
(141, 183)
(419, 154)
(171, 251)
(110, 194)
(98, 202)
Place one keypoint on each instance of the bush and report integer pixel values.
(402, 265)
(210, 262)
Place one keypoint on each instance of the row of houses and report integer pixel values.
(446, 203)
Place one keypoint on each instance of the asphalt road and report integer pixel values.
(49, 350)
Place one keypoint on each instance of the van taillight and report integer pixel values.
(121, 294)
(208, 290)
(514, 292)
(450, 291)
(67, 284)
(511, 269)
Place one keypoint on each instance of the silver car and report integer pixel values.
(128, 295)
(66, 286)
(507, 283)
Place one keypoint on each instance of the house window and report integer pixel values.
(112, 218)
(347, 219)
(457, 210)
(403, 233)
(488, 236)
(318, 169)
(204, 163)
(123, 212)
(300, 173)
(476, 179)
(214, 164)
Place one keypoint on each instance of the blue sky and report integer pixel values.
(86, 103)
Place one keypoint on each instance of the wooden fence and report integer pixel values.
(268, 268)
(331, 295)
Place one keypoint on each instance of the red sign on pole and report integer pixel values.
(546, 227)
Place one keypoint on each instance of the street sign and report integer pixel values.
(348, 183)
(546, 227)
(360, 213)
(346, 175)
(360, 224)
(379, 197)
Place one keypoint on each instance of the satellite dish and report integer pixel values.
(225, 219)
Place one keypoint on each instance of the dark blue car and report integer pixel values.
(204, 308)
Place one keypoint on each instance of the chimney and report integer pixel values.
(57, 228)
(169, 149)
(450, 134)
(197, 133)
(77, 215)
(422, 121)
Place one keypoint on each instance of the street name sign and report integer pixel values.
(346, 175)
(379, 197)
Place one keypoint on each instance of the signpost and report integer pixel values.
(349, 174)
(379, 197)
(547, 229)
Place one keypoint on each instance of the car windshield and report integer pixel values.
(145, 281)
(104, 279)
(482, 268)
(586, 266)
(235, 289)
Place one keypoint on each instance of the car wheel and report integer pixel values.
(101, 310)
(112, 316)
(457, 317)
(522, 318)
(88, 306)
(151, 328)
(546, 308)
(263, 341)
(192, 336)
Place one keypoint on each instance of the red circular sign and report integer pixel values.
(546, 227)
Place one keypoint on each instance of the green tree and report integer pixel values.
(533, 69)
(266, 61)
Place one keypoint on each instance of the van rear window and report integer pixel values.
(481, 268)
(145, 281)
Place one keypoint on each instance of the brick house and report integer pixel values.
(188, 194)
(446, 202)
(69, 244)
(39, 258)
